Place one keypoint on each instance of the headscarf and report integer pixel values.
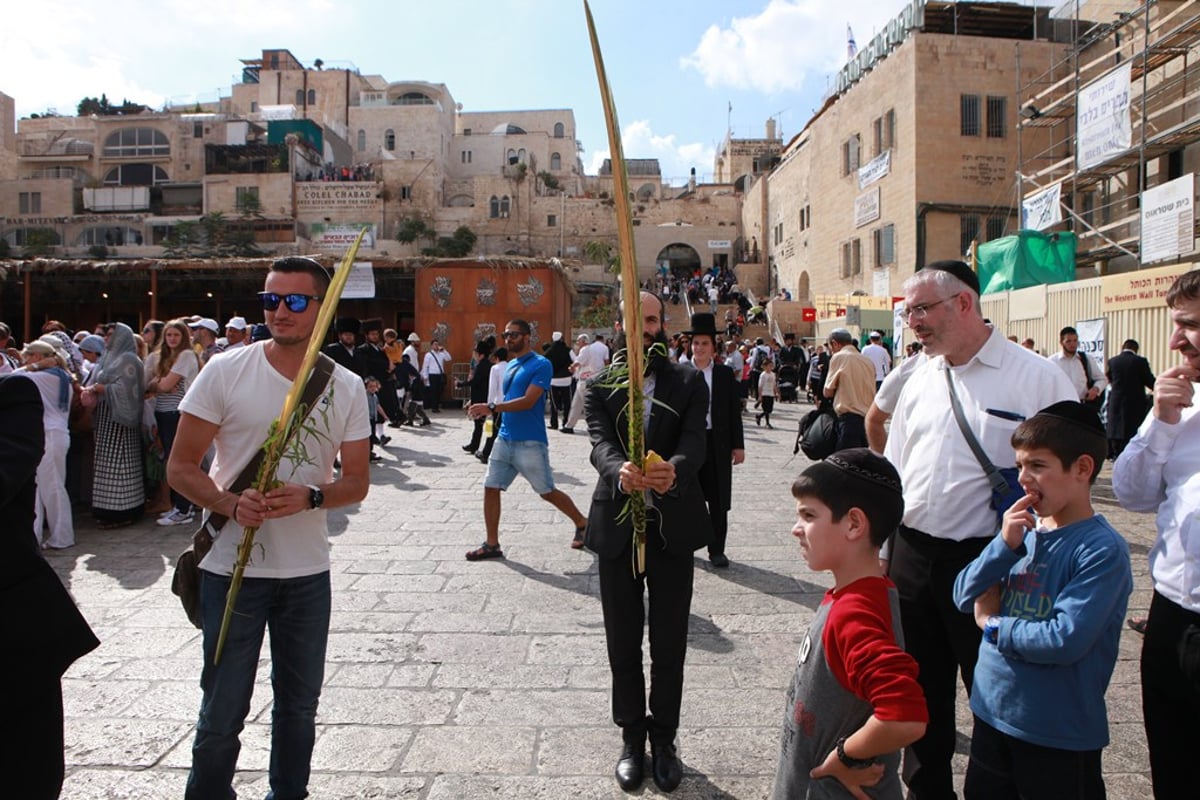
(68, 346)
(46, 347)
(120, 370)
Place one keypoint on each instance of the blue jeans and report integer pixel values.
(297, 612)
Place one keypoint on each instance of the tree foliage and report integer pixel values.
(39, 242)
(100, 106)
(412, 228)
(213, 236)
(457, 245)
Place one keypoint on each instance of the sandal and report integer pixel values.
(1137, 624)
(577, 542)
(485, 550)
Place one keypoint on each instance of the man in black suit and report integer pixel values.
(725, 444)
(43, 632)
(344, 351)
(677, 526)
(375, 362)
(1129, 375)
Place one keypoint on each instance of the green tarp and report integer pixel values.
(1029, 258)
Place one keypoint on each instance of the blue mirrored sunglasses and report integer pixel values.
(296, 303)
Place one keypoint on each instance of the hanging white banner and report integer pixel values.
(1102, 119)
(1043, 209)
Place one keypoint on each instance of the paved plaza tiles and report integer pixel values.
(449, 680)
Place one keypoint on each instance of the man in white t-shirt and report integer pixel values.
(879, 357)
(287, 584)
(591, 361)
(433, 373)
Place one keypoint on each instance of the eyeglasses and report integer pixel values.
(296, 303)
(513, 334)
(922, 310)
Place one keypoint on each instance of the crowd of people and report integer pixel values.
(962, 539)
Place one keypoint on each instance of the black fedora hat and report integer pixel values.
(703, 324)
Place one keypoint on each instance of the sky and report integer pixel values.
(682, 72)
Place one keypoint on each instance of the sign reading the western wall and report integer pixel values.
(1102, 118)
(1145, 288)
(326, 198)
(1168, 215)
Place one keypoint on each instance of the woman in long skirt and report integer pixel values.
(118, 489)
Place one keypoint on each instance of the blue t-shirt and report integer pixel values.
(1062, 609)
(523, 372)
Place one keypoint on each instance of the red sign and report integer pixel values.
(808, 315)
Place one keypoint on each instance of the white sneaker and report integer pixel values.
(175, 517)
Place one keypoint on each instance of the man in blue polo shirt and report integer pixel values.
(521, 446)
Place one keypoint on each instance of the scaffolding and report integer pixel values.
(1158, 41)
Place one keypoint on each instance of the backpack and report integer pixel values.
(818, 434)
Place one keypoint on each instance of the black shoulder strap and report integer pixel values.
(322, 372)
(1087, 369)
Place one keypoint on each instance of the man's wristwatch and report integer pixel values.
(316, 498)
(850, 761)
(492, 407)
(991, 629)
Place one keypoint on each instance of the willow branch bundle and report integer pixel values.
(286, 428)
(630, 296)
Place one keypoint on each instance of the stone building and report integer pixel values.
(910, 159)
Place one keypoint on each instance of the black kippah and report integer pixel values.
(1075, 413)
(865, 465)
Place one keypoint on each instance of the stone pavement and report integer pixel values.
(449, 680)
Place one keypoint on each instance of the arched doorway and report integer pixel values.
(681, 260)
(802, 288)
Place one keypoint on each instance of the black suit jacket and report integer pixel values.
(374, 362)
(42, 630)
(352, 360)
(727, 435)
(1129, 375)
(677, 434)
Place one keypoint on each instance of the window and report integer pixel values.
(969, 114)
(521, 155)
(968, 232)
(247, 198)
(299, 97)
(197, 130)
(136, 142)
(494, 207)
(466, 131)
(777, 232)
(551, 221)
(889, 129)
(877, 129)
(996, 227)
(851, 258)
(555, 161)
(850, 154)
(512, 157)
(389, 139)
(29, 203)
(504, 207)
(253, 106)
(362, 139)
(559, 130)
(997, 111)
(135, 175)
(406, 193)
(413, 99)
(312, 97)
(885, 245)
(466, 156)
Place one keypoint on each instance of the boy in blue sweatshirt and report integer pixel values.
(1050, 593)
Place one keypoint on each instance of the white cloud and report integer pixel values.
(675, 160)
(780, 47)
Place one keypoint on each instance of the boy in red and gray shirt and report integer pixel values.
(854, 700)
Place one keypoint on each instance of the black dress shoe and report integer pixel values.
(468, 449)
(718, 560)
(667, 770)
(631, 767)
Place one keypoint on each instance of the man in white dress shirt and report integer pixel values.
(1159, 471)
(879, 356)
(948, 518)
(1084, 373)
